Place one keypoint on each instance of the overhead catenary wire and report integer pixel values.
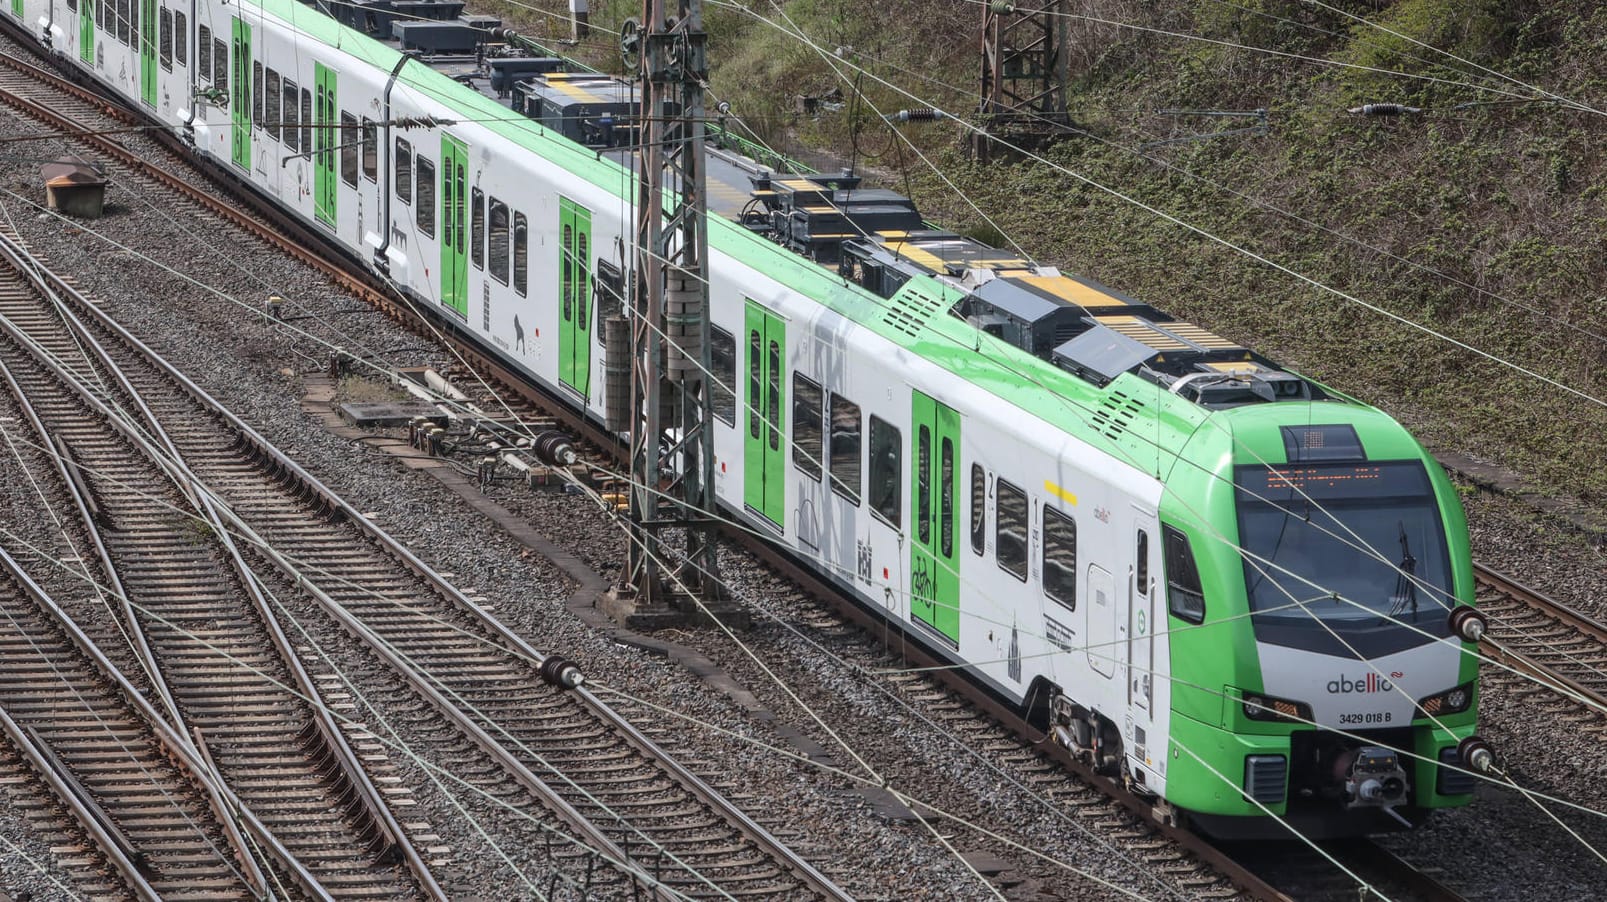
(178, 471)
(347, 720)
(226, 296)
(494, 393)
(133, 424)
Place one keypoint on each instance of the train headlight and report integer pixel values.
(1267, 707)
(1451, 701)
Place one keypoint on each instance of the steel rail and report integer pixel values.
(516, 645)
(378, 294)
(1396, 868)
(119, 852)
(170, 461)
(221, 808)
(177, 747)
(356, 778)
(793, 862)
(334, 264)
(1495, 645)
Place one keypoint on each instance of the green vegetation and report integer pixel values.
(1501, 198)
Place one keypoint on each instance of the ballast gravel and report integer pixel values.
(209, 323)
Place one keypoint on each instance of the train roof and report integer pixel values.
(1123, 359)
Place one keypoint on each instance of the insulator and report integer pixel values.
(617, 374)
(920, 114)
(1384, 109)
(1468, 623)
(554, 449)
(683, 326)
(561, 672)
(1476, 754)
(1002, 6)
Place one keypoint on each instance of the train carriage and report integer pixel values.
(1167, 550)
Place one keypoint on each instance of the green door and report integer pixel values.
(574, 291)
(324, 138)
(454, 225)
(934, 556)
(16, 8)
(240, 102)
(86, 30)
(764, 466)
(147, 51)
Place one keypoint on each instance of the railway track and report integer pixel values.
(1559, 666)
(1547, 640)
(215, 654)
(147, 827)
(614, 789)
(1135, 821)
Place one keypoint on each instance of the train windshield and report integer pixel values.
(1355, 545)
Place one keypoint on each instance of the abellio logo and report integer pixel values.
(1372, 682)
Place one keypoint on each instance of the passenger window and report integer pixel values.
(807, 401)
(773, 407)
(203, 54)
(477, 228)
(499, 241)
(181, 39)
(723, 361)
(886, 472)
(1185, 596)
(165, 38)
(348, 148)
(72, 6)
(291, 119)
(220, 65)
(845, 450)
(425, 209)
(370, 150)
(275, 93)
(258, 103)
(923, 484)
(124, 11)
(521, 254)
(1141, 566)
(1060, 557)
(755, 384)
(979, 508)
(566, 268)
(404, 171)
(1010, 530)
(945, 515)
(306, 118)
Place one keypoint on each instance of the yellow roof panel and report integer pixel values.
(1200, 336)
(1071, 290)
(1143, 331)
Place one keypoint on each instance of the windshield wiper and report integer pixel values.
(1405, 594)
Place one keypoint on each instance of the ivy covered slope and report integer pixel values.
(1502, 199)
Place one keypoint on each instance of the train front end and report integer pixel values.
(1320, 576)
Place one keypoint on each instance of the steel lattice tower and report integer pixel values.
(672, 440)
(1023, 73)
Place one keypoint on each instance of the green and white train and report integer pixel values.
(1220, 579)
